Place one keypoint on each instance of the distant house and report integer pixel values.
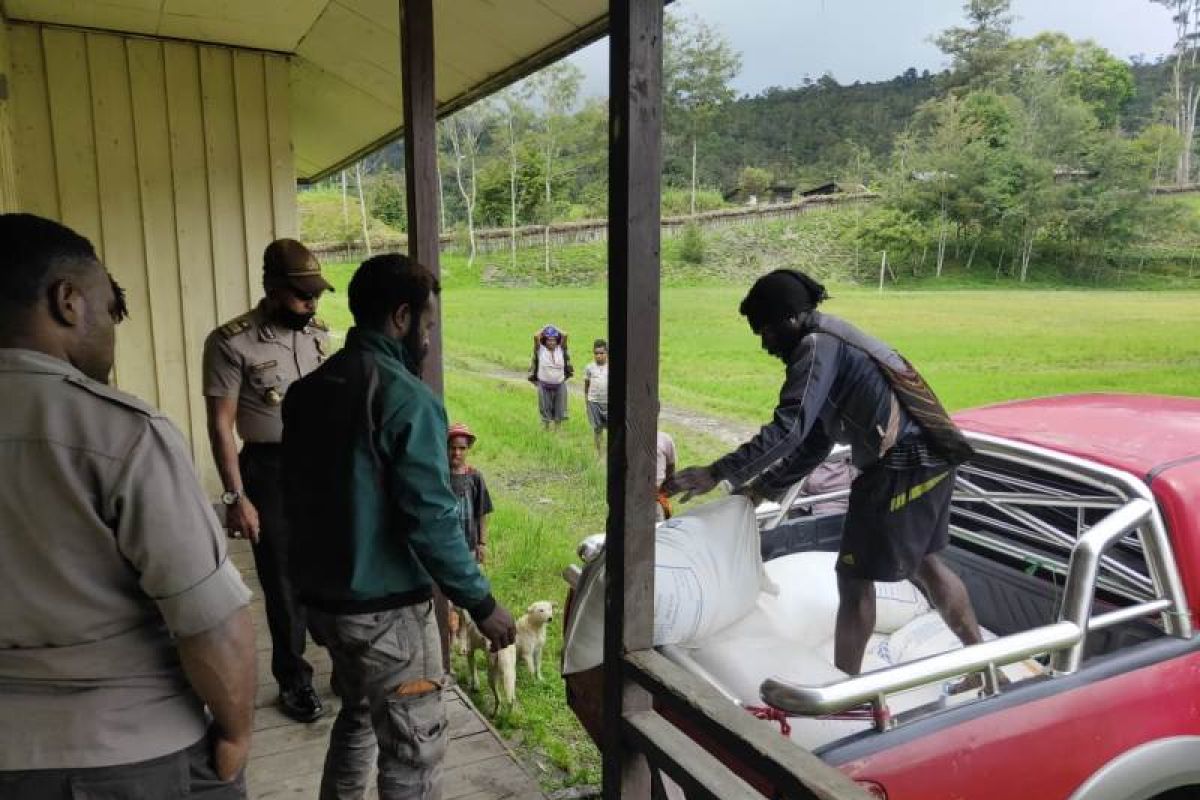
(776, 193)
(830, 187)
(780, 193)
(1070, 174)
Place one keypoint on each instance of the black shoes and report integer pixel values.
(301, 703)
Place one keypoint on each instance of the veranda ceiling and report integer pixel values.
(345, 67)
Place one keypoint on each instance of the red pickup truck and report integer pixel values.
(1076, 529)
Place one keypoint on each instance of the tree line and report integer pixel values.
(1021, 147)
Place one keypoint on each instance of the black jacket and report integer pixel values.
(834, 393)
(568, 370)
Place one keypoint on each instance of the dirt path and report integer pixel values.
(727, 432)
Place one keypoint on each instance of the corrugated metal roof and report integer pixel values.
(345, 65)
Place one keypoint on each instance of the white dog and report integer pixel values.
(531, 635)
(501, 666)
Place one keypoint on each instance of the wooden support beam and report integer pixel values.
(635, 169)
(421, 185)
(793, 771)
(420, 154)
(701, 775)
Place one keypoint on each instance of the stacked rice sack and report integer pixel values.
(724, 615)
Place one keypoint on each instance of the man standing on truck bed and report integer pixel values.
(843, 386)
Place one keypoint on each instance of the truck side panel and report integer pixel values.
(1045, 748)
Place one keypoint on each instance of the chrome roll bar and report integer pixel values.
(1176, 620)
(1065, 639)
(873, 687)
(1082, 571)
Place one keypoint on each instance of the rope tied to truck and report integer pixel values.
(772, 714)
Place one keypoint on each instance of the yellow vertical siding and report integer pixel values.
(174, 159)
(8, 175)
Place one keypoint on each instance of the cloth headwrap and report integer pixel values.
(778, 295)
(551, 332)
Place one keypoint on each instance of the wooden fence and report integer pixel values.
(490, 240)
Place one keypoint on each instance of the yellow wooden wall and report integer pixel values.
(175, 160)
(8, 183)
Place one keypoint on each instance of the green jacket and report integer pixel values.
(373, 520)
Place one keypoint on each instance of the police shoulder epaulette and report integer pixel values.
(106, 392)
(236, 326)
(319, 324)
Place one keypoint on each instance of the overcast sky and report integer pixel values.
(781, 41)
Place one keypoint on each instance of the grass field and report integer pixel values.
(974, 346)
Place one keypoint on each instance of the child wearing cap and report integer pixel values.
(549, 371)
(474, 501)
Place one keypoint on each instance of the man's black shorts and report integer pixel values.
(896, 518)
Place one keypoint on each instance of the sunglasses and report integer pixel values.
(303, 297)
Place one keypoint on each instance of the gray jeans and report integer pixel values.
(387, 671)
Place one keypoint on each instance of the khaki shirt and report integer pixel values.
(254, 360)
(110, 548)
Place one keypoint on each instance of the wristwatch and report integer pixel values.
(231, 497)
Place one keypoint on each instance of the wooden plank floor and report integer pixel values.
(286, 757)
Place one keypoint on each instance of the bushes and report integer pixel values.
(691, 244)
(323, 218)
(678, 202)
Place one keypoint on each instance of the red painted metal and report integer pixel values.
(1048, 747)
(1043, 749)
(1177, 491)
(1132, 432)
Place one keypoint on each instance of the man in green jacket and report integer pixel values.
(367, 487)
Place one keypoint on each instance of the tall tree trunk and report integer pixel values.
(1185, 98)
(345, 203)
(466, 183)
(466, 186)
(441, 195)
(941, 252)
(549, 214)
(693, 175)
(362, 207)
(512, 192)
(471, 209)
(974, 245)
(1026, 254)
(1189, 135)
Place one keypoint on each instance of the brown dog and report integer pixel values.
(501, 666)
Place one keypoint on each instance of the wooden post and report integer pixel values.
(882, 270)
(421, 185)
(635, 169)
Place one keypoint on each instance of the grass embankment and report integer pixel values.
(975, 347)
(829, 242)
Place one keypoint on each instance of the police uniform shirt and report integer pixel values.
(110, 549)
(254, 360)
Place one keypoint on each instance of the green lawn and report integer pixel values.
(974, 346)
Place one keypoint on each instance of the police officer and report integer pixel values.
(249, 362)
